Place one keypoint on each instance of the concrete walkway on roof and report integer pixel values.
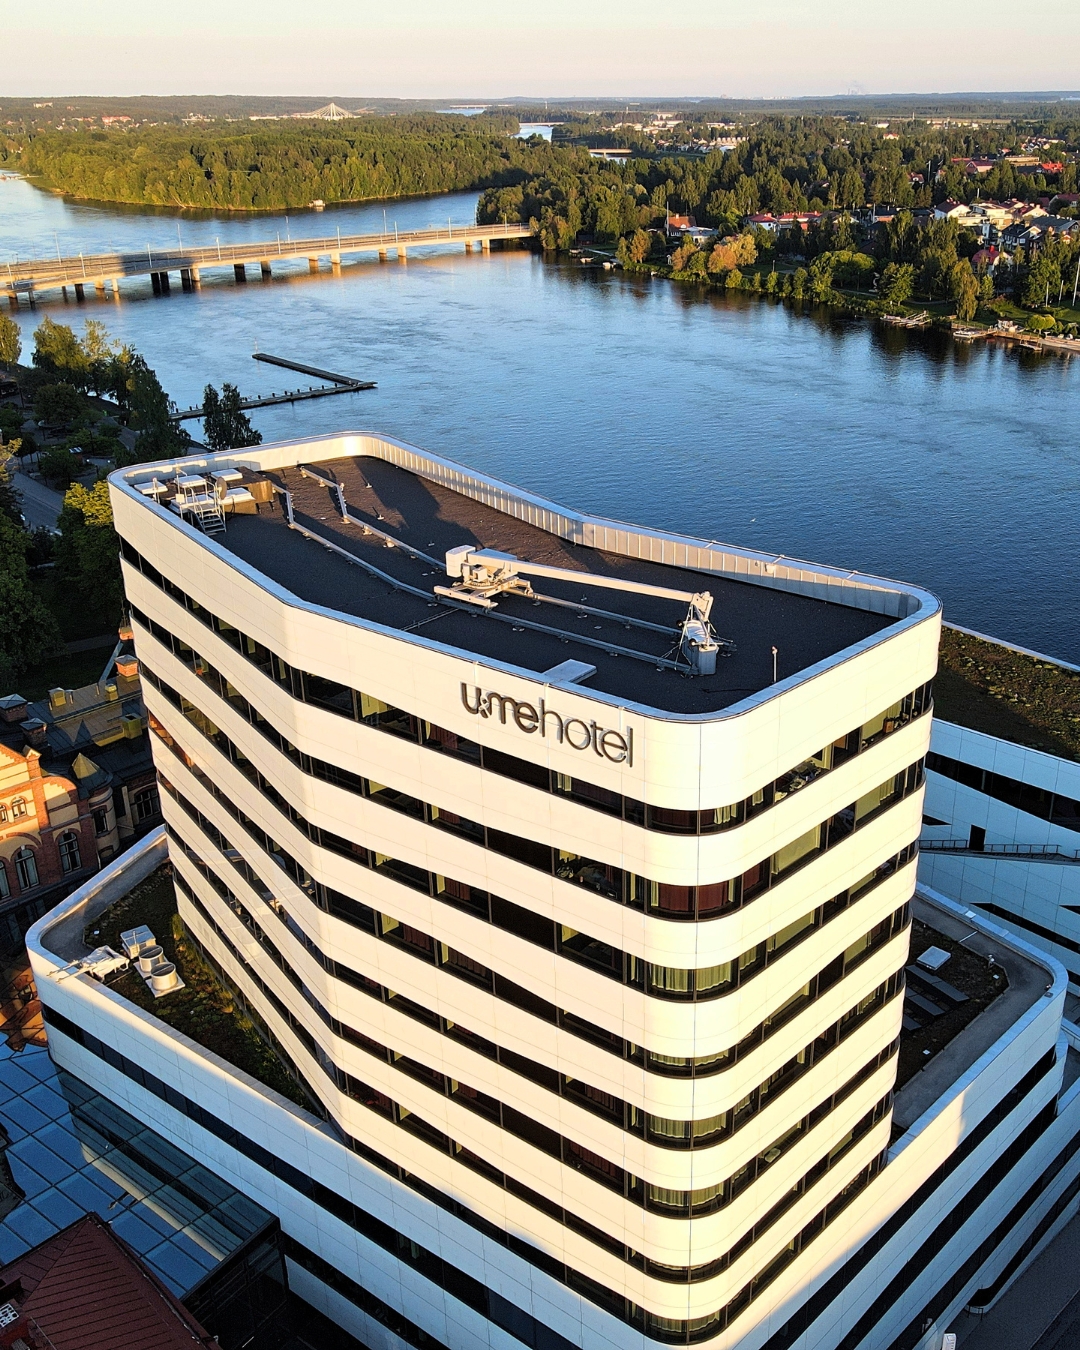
(1028, 982)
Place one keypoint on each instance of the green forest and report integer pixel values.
(783, 164)
(287, 165)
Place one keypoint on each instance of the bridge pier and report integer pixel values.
(313, 264)
(335, 263)
(485, 245)
(264, 268)
(116, 288)
(185, 279)
(79, 292)
(196, 281)
(159, 282)
(468, 245)
(402, 253)
(240, 273)
(99, 286)
(383, 255)
(13, 299)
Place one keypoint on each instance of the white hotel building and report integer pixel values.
(583, 926)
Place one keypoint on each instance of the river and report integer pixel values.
(734, 418)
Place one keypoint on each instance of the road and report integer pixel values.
(40, 505)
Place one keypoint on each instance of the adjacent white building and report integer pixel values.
(571, 865)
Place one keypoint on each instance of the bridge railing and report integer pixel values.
(90, 266)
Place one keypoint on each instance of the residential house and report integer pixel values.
(1032, 233)
(678, 225)
(785, 221)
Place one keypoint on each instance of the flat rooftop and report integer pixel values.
(969, 971)
(1014, 695)
(431, 517)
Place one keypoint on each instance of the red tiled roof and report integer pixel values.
(87, 1290)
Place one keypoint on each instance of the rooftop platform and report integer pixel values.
(1010, 693)
(973, 1029)
(426, 515)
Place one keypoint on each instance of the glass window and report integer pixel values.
(328, 694)
(145, 804)
(18, 807)
(5, 886)
(26, 868)
(792, 854)
(778, 942)
(381, 715)
(3, 812)
(714, 898)
(70, 861)
(669, 982)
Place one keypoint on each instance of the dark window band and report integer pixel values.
(422, 946)
(681, 1203)
(351, 703)
(389, 1240)
(657, 981)
(439, 1271)
(1036, 801)
(797, 1325)
(1021, 921)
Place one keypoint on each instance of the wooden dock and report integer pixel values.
(341, 385)
(308, 370)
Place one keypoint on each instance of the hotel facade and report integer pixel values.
(571, 866)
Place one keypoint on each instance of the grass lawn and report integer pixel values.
(205, 1009)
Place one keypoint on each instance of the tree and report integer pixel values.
(10, 341)
(10, 502)
(226, 425)
(58, 352)
(57, 404)
(729, 254)
(638, 248)
(88, 551)
(964, 289)
(28, 632)
(1043, 279)
(159, 436)
(896, 283)
(59, 466)
(680, 259)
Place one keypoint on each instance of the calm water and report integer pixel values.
(736, 419)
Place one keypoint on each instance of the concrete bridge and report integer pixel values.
(105, 271)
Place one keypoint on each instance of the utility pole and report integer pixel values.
(1076, 281)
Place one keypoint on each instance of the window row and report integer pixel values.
(438, 1270)
(13, 810)
(24, 862)
(1036, 801)
(419, 945)
(668, 1330)
(667, 1133)
(657, 981)
(658, 898)
(360, 707)
(672, 1203)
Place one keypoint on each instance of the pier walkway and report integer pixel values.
(102, 270)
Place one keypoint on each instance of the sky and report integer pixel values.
(556, 48)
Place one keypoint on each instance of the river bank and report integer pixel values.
(788, 427)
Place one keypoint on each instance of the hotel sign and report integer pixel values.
(615, 746)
